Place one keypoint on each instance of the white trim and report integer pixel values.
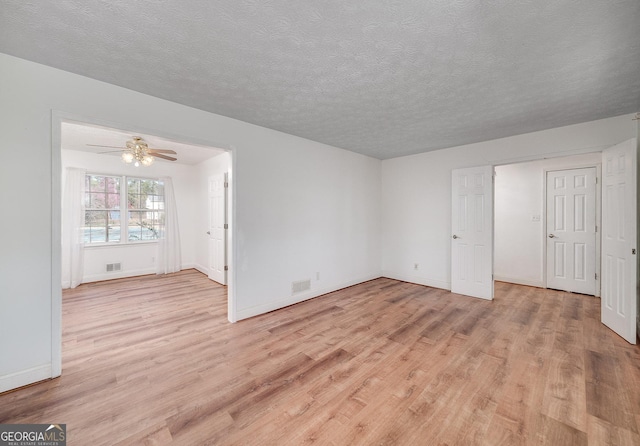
(551, 155)
(55, 367)
(118, 275)
(123, 244)
(57, 117)
(232, 248)
(271, 306)
(434, 283)
(526, 282)
(132, 273)
(26, 377)
(203, 269)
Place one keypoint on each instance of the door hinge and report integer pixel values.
(596, 276)
(226, 184)
(596, 180)
(226, 268)
(596, 228)
(633, 251)
(226, 226)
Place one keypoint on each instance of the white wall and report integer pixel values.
(137, 259)
(416, 191)
(300, 207)
(519, 196)
(305, 211)
(216, 165)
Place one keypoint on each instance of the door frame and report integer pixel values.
(598, 167)
(57, 118)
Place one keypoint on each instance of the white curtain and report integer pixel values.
(169, 256)
(72, 223)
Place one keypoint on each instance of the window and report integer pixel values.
(105, 196)
(102, 209)
(145, 202)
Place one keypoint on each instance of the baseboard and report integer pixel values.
(526, 282)
(117, 275)
(134, 273)
(203, 269)
(25, 377)
(246, 313)
(434, 283)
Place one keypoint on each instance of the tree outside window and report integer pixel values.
(145, 203)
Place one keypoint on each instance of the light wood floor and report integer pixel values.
(154, 361)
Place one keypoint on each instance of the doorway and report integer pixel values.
(102, 166)
(523, 221)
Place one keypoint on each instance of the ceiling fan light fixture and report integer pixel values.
(138, 153)
(128, 157)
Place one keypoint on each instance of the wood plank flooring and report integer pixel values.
(153, 361)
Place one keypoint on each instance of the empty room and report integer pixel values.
(242, 222)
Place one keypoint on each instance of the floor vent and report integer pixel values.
(300, 286)
(111, 267)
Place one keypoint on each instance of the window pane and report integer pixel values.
(113, 185)
(102, 198)
(95, 229)
(96, 200)
(113, 228)
(113, 201)
(147, 187)
(135, 226)
(143, 225)
(98, 184)
(133, 201)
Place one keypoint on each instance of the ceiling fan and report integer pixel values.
(138, 152)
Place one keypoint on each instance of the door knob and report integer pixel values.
(552, 236)
(208, 232)
(455, 237)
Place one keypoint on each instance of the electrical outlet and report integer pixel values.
(535, 217)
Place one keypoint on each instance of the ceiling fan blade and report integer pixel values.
(111, 147)
(164, 157)
(173, 152)
(110, 151)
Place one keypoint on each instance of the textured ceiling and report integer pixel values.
(384, 78)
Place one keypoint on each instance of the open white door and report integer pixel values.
(217, 228)
(472, 232)
(619, 239)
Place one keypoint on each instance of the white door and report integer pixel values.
(472, 232)
(217, 228)
(619, 262)
(571, 230)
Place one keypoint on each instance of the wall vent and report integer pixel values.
(300, 286)
(111, 267)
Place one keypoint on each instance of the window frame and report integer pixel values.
(124, 211)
